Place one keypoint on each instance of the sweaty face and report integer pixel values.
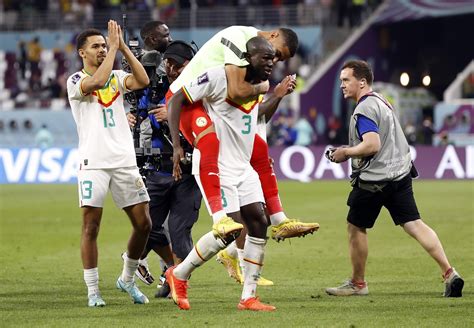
(282, 52)
(262, 59)
(160, 38)
(94, 50)
(173, 69)
(349, 84)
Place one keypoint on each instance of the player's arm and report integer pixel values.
(175, 104)
(101, 76)
(139, 79)
(270, 105)
(238, 88)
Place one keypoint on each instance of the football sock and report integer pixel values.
(277, 218)
(261, 163)
(209, 171)
(240, 254)
(253, 263)
(206, 248)
(163, 265)
(129, 268)
(232, 250)
(91, 278)
(217, 216)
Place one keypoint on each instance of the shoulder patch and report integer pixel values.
(204, 78)
(75, 78)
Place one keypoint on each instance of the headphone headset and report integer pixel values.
(193, 46)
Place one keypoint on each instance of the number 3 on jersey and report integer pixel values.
(108, 115)
(247, 123)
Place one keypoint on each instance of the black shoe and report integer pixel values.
(164, 291)
(454, 285)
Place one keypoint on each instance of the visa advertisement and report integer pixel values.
(305, 164)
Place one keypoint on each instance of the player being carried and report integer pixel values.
(241, 190)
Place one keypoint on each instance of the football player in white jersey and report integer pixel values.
(236, 125)
(106, 152)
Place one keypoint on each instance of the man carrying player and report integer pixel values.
(235, 125)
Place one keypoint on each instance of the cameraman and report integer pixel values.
(180, 200)
(156, 37)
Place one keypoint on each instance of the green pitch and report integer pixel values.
(41, 280)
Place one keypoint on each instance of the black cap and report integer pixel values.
(179, 51)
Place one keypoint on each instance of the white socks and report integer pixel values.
(240, 255)
(232, 250)
(253, 263)
(91, 278)
(205, 249)
(277, 218)
(217, 216)
(129, 268)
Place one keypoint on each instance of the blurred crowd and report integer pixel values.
(35, 76)
(57, 13)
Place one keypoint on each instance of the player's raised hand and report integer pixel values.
(113, 38)
(178, 156)
(286, 86)
(122, 44)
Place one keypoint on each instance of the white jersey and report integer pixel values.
(235, 124)
(105, 140)
(214, 53)
(262, 127)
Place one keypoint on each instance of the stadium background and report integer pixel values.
(39, 227)
(419, 38)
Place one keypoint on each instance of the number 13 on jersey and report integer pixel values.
(108, 115)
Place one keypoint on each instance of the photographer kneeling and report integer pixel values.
(180, 200)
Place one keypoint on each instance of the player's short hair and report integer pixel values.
(149, 27)
(82, 37)
(291, 39)
(256, 43)
(361, 70)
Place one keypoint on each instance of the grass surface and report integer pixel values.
(42, 285)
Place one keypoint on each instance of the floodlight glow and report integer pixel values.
(426, 80)
(404, 79)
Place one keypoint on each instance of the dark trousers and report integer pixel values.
(180, 200)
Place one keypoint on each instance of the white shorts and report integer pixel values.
(126, 185)
(236, 194)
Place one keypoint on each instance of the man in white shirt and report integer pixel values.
(106, 153)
